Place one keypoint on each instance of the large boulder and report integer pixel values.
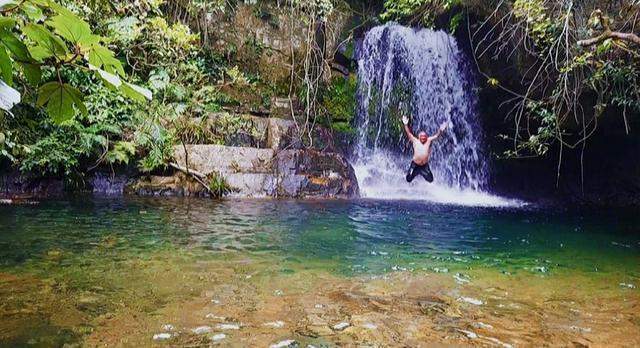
(253, 172)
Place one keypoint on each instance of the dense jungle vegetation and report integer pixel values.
(109, 83)
(104, 83)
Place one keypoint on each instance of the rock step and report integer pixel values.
(252, 185)
(221, 159)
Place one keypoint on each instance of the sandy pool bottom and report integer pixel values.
(166, 298)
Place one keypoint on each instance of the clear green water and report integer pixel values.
(110, 248)
(357, 236)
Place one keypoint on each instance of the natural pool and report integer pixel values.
(116, 272)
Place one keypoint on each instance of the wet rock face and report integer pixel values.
(315, 173)
(268, 25)
(277, 133)
(16, 186)
(253, 172)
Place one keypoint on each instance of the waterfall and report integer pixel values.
(424, 74)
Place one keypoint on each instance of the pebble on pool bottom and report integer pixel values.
(341, 326)
(218, 337)
(201, 330)
(161, 336)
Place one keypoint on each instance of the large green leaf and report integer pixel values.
(15, 46)
(7, 3)
(111, 79)
(77, 98)
(45, 91)
(136, 92)
(47, 44)
(7, 22)
(60, 99)
(6, 69)
(32, 11)
(56, 7)
(72, 28)
(32, 72)
(101, 57)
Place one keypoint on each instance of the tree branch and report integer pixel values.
(608, 34)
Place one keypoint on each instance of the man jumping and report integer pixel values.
(421, 151)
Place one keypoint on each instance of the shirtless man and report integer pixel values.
(421, 151)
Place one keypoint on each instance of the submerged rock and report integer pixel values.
(284, 344)
(161, 336)
(369, 326)
(469, 334)
(461, 278)
(471, 300)
(218, 337)
(275, 324)
(215, 317)
(341, 326)
(481, 325)
(201, 330)
(228, 327)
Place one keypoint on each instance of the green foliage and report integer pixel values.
(156, 44)
(157, 141)
(77, 110)
(37, 35)
(537, 23)
(615, 77)
(218, 186)
(62, 150)
(121, 152)
(423, 12)
(339, 102)
(546, 134)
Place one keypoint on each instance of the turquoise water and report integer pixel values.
(75, 271)
(356, 236)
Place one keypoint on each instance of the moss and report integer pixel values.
(339, 103)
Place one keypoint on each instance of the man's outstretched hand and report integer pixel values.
(444, 126)
(405, 120)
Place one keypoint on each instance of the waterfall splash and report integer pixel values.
(421, 73)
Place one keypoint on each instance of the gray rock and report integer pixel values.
(253, 172)
(208, 159)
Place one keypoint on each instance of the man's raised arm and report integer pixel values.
(440, 131)
(407, 130)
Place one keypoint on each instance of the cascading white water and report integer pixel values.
(424, 74)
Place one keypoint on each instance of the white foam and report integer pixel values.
(382, 179)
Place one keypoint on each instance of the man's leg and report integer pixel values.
(425, 171)
(412, 172)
